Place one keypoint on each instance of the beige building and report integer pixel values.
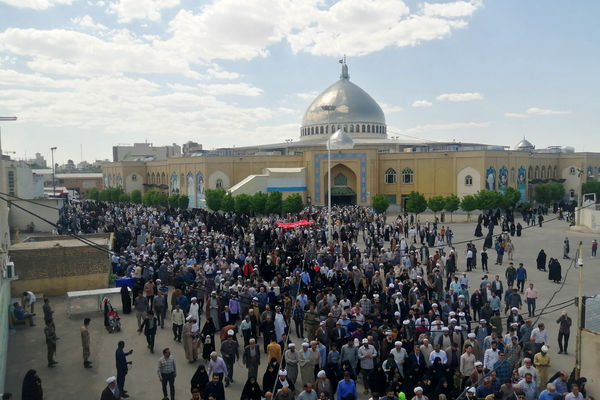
(376, 164)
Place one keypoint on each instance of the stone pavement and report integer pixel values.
(69, 379)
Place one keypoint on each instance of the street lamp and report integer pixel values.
(328, 108)
(580, 315)
(340, 140)
(53, 172)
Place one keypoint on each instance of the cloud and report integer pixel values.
(387, 108)
(451, 10)
(128, 10)
(515, 115)
(542, 111)
(459, 97)
(422, 103)
(87, 22)
(36, 4)
(308, 95)
(443, 127)
(240, 89)
(360, 27)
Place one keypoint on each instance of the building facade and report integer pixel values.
(376, 164)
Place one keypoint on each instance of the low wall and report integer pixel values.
(20, 219)
(590, 362)
(57, 266)
(4, 329)
(590, 219)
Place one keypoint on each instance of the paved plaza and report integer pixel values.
(70, 380)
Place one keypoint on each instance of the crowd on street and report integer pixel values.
(380, 309)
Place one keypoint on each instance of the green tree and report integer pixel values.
(173, 200)
(381, 202)
(436, 204)
(227, 203)
(162, 199)
(489, 200)
(451, 204)
(556, 191)
(105, 194)
(93, 194)
(469, 203)
(510, 198)
(591, 187)
(259, 201)
(124, 198)
(213, 198)
(136, 196)
(416, 203)
(243, 203)
(546, 193)
(274, 202)
(115, 194)
(149, 198)
(183, 202)
(292, 204)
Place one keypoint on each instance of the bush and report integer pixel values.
(274, 203)
(136, 197)
(436, 204)
(93, 194)
(213, 198)
(381, 202)
(243, 204)
(124, 198)
(227, 203)
(183, 202)
(293, 204)
(259, 202)
(416, 203)
(173, 201)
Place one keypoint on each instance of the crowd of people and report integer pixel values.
(381, 305)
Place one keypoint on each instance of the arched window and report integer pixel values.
(363, 128)
(133, 177)
(312, 130)
(368, 128)
(513, 175)
(554, 172)
(543, 172)
(326, 128)
(219, 183)
(358, 130)
(340, 180)
(351, 128)
(390, 176)
(572, 194)
(537, 172)
(572, 171)
(549, 172)
(408, 176)
(468, 180)
(530, 173)
(321, 130)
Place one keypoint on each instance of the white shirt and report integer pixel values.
(489, 359)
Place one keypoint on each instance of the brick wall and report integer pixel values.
(56, 270)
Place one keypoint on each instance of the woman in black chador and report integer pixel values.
(125, 299)
(478, 232)
(554, 270)
(541, 260)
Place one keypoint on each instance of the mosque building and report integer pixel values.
(376, 163)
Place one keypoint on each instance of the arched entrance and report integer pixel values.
(343, 185)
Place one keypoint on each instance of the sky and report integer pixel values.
(85, 75)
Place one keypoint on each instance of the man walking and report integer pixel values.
(230, 352)
(167, 373)
(177, 318)
(50, 333)
(531, 294)
(564, 331)
(121, 361)
(521, 277)
(48, 311)
(366, 355)
(149, 328)
(141, 307)
(85, 343)
(251, 358)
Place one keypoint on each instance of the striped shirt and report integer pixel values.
(166, 366)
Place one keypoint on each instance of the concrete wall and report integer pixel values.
(4, 283)
(590, 362)
(19, 219)
(55, 267)
(590, 218)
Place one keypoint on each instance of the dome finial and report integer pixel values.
(344, 74)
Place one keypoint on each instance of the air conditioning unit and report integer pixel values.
(9, 271)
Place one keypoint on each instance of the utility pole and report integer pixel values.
(580, 315)
(53, 172)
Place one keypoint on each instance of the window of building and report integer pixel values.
(554, 173)
(537, 172)
(572, 194)
(468, 180)
(219, 183)
(390, 176)
(134, 177)
(368, 128)
(11, 183)
(543, 172)
(513, 175)
(352, 128)
(407, 176)
(572, 171)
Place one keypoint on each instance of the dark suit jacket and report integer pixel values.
(108, 395)
(412, 362)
